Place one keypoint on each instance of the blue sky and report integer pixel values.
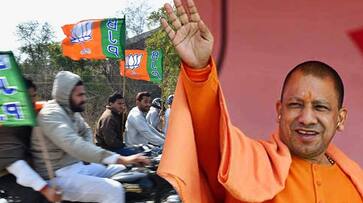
(57, 13)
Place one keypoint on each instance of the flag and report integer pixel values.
(95, 39)
(143, 65)
(15, 106)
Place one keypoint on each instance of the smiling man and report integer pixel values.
(298, 164)
(310, 110)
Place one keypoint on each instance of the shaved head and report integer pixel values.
(320, 70)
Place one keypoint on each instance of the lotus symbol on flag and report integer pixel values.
(133, 61)
(82, 32)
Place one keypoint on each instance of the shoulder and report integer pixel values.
(106, 114)
(134, 112)
(51, 110)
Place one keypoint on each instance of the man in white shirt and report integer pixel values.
(138, 131)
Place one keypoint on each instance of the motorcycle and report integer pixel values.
(141, 183)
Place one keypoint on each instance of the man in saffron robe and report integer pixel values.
(221, 164)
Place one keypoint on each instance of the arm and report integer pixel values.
(27, 177)
(193, 43)
(56, 126)
(147, 131)
(229, 163)
(153, 118)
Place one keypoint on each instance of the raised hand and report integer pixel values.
(191, 38)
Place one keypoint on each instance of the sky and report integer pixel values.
(57, 13)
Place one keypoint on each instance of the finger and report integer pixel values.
(204, 31)
(181, 12)
(172, 17)
(194, 15)
(167, 28)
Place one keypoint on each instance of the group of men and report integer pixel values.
(82, 169)
(120, 131)
(79, 164)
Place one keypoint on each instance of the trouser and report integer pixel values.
(14, 192)
(90, 183)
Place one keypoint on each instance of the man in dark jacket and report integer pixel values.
(111, 126)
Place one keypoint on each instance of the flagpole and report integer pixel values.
(163, 91)
(124, 82)
(47, 162)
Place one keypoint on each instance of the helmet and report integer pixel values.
(156, 103)
(169, 100)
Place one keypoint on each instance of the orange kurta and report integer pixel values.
(207, 159)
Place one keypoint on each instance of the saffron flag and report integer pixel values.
(15, 105)
(143, 65)
(95, 39)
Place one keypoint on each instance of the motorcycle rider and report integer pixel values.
(111, 125)
(153, 116)
(138, 131)
(68, 140)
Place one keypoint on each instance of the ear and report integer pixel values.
(278, 110)
(342, 117)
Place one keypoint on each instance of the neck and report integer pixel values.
(321, 159)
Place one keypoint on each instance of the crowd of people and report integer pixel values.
(83, 162)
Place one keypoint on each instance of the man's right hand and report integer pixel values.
(191, 38)
(134, 159)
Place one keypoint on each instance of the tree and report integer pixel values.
(35, 38)
(136, 23)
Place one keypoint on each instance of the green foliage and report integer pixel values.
(35, 39)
